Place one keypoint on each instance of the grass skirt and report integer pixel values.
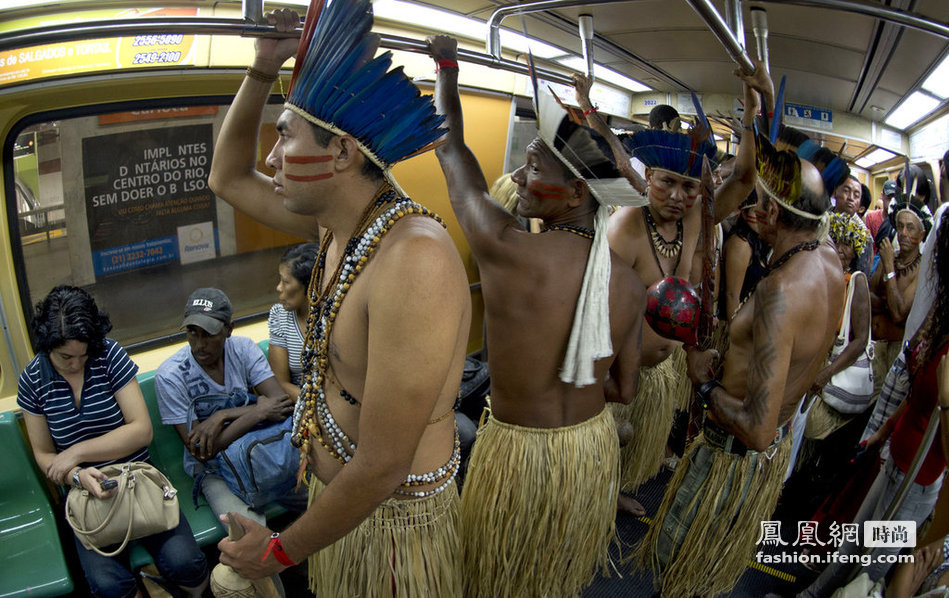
(682, 393)
(710, 518)
(404, 548)
(539, 507)
(651, 415)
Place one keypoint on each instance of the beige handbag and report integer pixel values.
(145, 503)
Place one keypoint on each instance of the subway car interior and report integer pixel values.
(110, 110)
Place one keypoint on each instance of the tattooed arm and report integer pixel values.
(754, 419)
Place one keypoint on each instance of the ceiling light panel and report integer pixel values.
(911, 110)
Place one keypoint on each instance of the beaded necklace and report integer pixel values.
(803, 246)
(312, 413)
(907, 268)
(659, 245)
(577, 230)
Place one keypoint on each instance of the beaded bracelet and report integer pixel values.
(590, 111)
(445, 63)
(260, 75)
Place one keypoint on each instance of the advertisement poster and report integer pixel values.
(72, 57)
(147, 198)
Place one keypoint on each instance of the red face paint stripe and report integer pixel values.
(546, 191)
(307, 179)
(535, 186)
(547, 195)
(307, 159)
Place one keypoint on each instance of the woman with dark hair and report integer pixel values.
(83, 409)
(287, 320)
(745, 259)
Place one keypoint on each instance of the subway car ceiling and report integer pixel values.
(861, 75)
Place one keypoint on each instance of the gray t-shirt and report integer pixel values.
(180, 379)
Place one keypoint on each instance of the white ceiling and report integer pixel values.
(832, 59)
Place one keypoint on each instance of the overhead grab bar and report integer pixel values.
(222, 26)
(720, 29)
(735, 20)
(585, 23)
(759, 24)
(494, 22)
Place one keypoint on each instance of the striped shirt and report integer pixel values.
(43, 392)
(285, 332)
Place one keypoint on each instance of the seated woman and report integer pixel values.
(287, 321)
(83, 409)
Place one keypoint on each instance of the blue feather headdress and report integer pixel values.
(679, 153)
(833, 169)
(339, 86)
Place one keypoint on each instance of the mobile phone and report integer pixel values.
(108, 484)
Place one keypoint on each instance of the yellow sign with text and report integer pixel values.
(67, 58)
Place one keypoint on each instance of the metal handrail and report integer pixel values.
(494, 22)
(720, 30)
(230, 26)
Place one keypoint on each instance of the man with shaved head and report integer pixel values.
(778, 341)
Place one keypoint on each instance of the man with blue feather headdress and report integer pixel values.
(389, 313)
(729, 482)
(563, 319)
(659, 241)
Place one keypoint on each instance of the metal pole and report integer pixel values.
(585, 23)
(720, 29)
(759, 24)
(392, 42)
(735, 20)
(253, 11)
(494, 23)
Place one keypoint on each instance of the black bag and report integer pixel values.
(475, 384)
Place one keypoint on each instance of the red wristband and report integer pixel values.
(446, 63)
(279, 553)
(590, 111)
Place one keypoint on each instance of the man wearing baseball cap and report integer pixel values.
(214, 362)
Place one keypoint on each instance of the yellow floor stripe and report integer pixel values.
(772, 571)
(753, 564)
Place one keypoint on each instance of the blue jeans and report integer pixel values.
(175, 552)
(917, 506)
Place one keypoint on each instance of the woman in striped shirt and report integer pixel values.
(83, 409)
(287, 321)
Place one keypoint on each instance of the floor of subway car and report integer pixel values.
(624, 582)
(756, 582)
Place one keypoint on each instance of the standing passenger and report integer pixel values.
(539, 502)
(705, 531)
(659, 240)
(390, 311)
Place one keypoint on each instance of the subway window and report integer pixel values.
(118, 203)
